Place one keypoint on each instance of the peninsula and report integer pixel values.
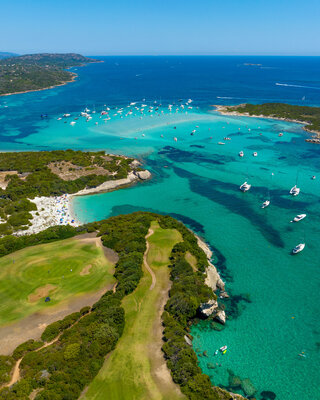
(35, 187)
(32, 72)
(308, 116)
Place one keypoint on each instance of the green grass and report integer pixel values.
(128, 373)
(58, 264)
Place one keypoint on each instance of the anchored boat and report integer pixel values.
(298, 248)
(294, 191)
(245, 187)
(299, 217)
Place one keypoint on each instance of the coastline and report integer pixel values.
(58, 210)
(223, 111)
(74, 76)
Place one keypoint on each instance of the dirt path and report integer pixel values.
(153, 276)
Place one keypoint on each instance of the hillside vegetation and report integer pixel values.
(37, 71)
(44, 174)
(309, 115)
(81, 340)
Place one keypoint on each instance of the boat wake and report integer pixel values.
(297, 86)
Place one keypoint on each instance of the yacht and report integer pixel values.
(298, 248)
(299, 217)
(265, 204)
(245, 187)
(241, 154)
(295, 190)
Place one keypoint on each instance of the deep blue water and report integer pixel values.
(274, 307)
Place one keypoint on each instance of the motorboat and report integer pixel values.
(255, 154)
(313, 177)
(241, 153)
(280, 134)
(72, 122)
(66, 115)
(299, 217)
(226, 138)
(298, 248)
(265, 204)
(245, 187)
(295, 190)
(221, 143)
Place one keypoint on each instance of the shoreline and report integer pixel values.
(58, 210)
(73, 78)
(223, 111)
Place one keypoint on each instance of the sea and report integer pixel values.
(272, 331)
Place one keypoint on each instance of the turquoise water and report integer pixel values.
(273, 310)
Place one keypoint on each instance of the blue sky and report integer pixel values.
(279, 27)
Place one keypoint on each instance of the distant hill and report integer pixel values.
(38, 71)
(3, 54)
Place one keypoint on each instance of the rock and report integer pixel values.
(209, 307)
(221, 317)
(135, 164)
(216, 326)
(220, 284)
(188, 340)
(205, 353)
(211, 366)
(234, 381)
(247, 387)
(224, 295)
(268, 395)
(143, 174)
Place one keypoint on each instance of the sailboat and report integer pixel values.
(294, 191)
(245, 187)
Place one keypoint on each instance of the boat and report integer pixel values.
(299, 217)
(280, 134)
(72, 122)
(295, 190)
(313, 177)
(245, 187)
(265, 204)
(216, 352)
(175, 139)
(223, 349)
(298, 248)
(241, 153)
(255, 154)
(66, 115)
(226, 138)
(221, 143)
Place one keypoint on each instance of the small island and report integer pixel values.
(33, 72)
(308, 116)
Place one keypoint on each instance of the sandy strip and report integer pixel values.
(153, 276)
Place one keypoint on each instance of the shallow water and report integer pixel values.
(274, 307)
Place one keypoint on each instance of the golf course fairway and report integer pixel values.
(59, 270)
(136, 369)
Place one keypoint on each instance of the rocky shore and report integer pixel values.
(214, 281)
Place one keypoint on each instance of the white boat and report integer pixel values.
(265, 204)
(295, 190)
(221, 143)
(255, 154)
(66, 115)
(175, 139)
(245, 187)
(313, 177)
(223, 349)
(241, 153)
(72, 122)
(298, 248)
(299, 217)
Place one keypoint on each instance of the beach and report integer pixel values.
(57, 210)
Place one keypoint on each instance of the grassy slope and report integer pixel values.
(22, 272)
(129, 372)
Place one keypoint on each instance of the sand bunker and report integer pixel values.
(86, 270)
(41, 292)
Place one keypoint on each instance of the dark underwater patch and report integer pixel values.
(178, 155)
